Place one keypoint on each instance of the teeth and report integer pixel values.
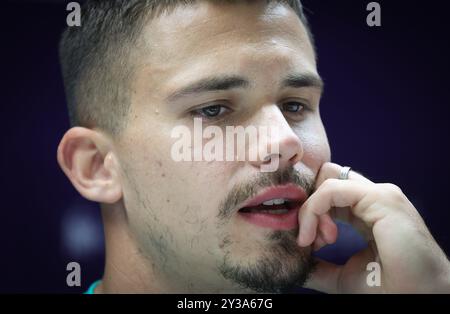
(278, 201)
(271, 211)
(275, 201)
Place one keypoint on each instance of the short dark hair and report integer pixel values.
(95, 57)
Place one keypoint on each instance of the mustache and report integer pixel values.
(243, 191)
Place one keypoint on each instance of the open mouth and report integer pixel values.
(275, 207)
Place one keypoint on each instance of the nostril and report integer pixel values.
(295, 159)
(268, 158)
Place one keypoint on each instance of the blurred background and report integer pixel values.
(385, 108)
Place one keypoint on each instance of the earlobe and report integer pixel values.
(86, 157)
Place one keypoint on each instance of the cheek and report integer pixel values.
(174, 188)
(316, 148)
(178, 200)
(198, 187)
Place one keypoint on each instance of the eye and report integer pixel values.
(211, 111)
(293, 107)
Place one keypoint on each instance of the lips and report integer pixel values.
(274, 207)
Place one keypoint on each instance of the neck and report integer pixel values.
(129, 270)
(126, 268)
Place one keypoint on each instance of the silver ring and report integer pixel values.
(344, 173)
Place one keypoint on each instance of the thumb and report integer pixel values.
(348, 278)
(325, 277)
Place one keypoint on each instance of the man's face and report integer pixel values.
(184, 215)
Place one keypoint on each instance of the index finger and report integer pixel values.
(331, 170)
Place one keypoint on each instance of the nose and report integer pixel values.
(280, 147)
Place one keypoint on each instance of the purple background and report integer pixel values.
(385, 109)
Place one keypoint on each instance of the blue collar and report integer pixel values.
(92, 287)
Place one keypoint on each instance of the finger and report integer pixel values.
(344, 215)
(327, 229)
(331, 170)
(307, 231)
(325, 277)
(351, 278)
(332, 193)
(319, 243)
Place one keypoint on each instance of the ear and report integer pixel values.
(87, 159)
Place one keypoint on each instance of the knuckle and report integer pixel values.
(329, 183)
(392, 190)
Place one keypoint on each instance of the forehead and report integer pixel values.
(207, 37)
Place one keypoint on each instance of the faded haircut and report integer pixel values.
(96, 57)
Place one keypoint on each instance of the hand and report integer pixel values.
(411, 261)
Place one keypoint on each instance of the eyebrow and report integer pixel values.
(226, 82)
(299, 80)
